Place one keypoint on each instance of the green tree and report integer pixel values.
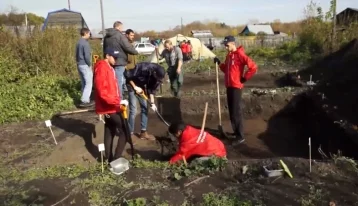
(15, 18)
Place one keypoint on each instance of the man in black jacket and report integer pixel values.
(119, 42)
(144, 76)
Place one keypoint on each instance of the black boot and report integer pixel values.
(237, 141)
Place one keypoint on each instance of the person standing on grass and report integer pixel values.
(83, 59)
(235, 77)
(108, 103)
(174, 58)
(116, 40)
(144, 78)
(132, 59)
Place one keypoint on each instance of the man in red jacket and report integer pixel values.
(235, 77)
(193, 143)
(108, 103)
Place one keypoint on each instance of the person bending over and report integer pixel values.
(108, 103)
(144, 76)
(193, 143)
(235, 77)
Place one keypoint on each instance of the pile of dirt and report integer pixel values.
(336, 76)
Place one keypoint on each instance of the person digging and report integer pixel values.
(193, 144)
(174, 58)
(235, 77)
(143, 77)
(108, 103)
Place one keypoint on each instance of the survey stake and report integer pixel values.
(49, 125)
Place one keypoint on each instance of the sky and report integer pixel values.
(159, 15)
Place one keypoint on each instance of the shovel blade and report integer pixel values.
(221, 132)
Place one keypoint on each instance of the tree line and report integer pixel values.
(14, 18)
(220, 29)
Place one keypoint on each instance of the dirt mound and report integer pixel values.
(336, 76)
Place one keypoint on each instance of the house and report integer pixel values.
(257, 28)
(201, 34)
(64, 18)
(347, 16)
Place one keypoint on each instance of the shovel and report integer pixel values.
(220, 127)
(156, 111)
(126, 125)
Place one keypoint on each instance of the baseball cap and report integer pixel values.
(111, 52)
(228, 39)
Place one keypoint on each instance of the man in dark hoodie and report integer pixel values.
(144, 77)
(119, 42)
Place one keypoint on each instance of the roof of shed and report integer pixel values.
(256, 28)
(65, 17)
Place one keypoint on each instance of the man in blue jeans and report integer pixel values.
(144, 76)
(119, 42)
(83, 59)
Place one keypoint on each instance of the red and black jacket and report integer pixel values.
(233, 68)
(193, 143)
(107, 93)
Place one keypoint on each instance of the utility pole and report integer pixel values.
(334, 24)
(102, 17)
(26, 22)
(181, 23)
(69, 4)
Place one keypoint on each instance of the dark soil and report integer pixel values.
(336, 76)
(254, 186)
(278, 123)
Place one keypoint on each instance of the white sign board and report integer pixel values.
(48, 123)
(101, 147)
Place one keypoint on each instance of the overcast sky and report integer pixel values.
(158, 15)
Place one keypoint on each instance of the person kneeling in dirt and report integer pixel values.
(193, 143)
(144, 76)
(233, 68)
(108, 103)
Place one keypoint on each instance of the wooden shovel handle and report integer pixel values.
(218, 91)
(204, 119)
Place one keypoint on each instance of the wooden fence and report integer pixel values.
(251, 42)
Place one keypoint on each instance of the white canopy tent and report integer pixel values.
(199, 51)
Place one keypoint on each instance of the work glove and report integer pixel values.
(153, 107)
(216, 60)
(138, 90)
(243, 80)
(124, 102)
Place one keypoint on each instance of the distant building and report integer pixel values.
(64, 18)
(347, 16)
(22, 31)
(201, 34)
(257, 28)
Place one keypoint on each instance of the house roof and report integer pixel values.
(347, 9)
(200, 31)
(64, 17)
(256, 28)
